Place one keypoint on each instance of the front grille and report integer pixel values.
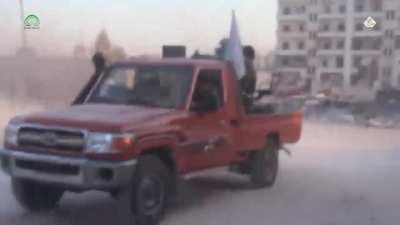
(47, 167)
(51, 139)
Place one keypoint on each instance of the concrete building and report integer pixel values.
(326, 43)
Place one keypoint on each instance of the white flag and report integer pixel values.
(233, 50)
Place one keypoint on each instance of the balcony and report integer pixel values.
(329, 70)
(372, 52)
(283, 69)
(330, 52)
(289, 71)
(293, 34)
(289, 52)
(331, 33)
(368, 33)
(365, 14)
(292, 17)
(332, 16)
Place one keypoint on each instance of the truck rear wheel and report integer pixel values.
(150, 189)
(265, 164)
(34, 196)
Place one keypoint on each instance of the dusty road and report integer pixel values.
(336, 175)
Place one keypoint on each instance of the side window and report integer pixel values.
(121, 79)
(208, 93)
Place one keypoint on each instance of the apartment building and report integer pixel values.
(326, 44)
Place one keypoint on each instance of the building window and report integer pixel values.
(286, 11)
(387, 52)
(376, 5)
(327, 9)
(354, 78)
(325, 27)
(285, 61)
(390, 15)
(312, 35)
(285, 45)
(398, 80)
(342, 9)
(340, 44)
(312, 53)
(357, 61)
(359, 8)
(286, 28)
(359, 27)
(313, 17)
(301, 27)
(302, 9)
(387, 71)
(357, 44)
(339, 62)
(300, 45)
(341, 27)
(325, 63)
(397, 42)
(389, 34)
(327, 45)
(311, 70)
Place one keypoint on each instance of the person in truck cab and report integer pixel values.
(207, 94)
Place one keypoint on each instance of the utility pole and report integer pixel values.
(23, 34)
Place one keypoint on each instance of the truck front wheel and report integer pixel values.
(150, 189)
(265, 164)
(35, 196)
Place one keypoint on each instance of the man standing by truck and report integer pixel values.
(248, 82)
(99, 63)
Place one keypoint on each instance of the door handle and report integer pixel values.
(213, 143)
(234, 123)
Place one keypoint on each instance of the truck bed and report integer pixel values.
(273, 116)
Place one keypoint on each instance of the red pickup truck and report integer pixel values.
(144, 123)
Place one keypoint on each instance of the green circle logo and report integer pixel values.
(32, 22)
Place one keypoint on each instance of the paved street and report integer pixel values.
(336, 175)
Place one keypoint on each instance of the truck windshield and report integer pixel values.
(154, 86)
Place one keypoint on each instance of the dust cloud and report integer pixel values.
(29, 84)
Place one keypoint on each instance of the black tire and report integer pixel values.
(264, 164)
(34, 196)
(151, 186)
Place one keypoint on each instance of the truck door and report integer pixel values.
(208, 132)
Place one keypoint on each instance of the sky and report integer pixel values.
(139, 26)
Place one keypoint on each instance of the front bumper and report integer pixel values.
(74, 173)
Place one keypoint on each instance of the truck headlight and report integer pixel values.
(11, 135)
(108, 143)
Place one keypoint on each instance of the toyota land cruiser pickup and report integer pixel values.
(144, 123)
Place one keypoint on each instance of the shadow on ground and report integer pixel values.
(100, 209)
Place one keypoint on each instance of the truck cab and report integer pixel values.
(144, 123)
